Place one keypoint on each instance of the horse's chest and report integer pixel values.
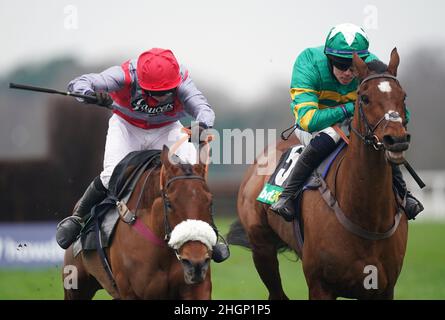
(155, 286)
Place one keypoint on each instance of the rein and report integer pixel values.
(370, 138)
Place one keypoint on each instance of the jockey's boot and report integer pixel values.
(413, 206)
(311, 157)
(69, 228)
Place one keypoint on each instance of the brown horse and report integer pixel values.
(336, 258)
(145, 269)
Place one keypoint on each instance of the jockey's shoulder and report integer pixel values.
(371, 57)
(313, 52)
(311, 56)
(184, 72)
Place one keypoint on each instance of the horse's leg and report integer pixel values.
(318, 292)
(78, 284)
(387, 295)
(264, 253)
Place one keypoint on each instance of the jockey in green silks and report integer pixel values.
(323, 93)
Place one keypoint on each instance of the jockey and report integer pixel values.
(148, 96)
(323, 93)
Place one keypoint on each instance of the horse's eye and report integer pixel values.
(365, 99)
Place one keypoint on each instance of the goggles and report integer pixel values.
(163, 93)
(341, 66)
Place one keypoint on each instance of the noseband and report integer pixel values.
(370, 138)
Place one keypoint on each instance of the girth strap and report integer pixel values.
(348, 224)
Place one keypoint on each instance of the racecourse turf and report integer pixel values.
(422, 277)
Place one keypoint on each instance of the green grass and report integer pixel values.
(423, 273)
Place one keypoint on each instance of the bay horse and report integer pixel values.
(145, 269)
(335, 259)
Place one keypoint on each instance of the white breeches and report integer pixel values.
(306, 137)
(123, 138)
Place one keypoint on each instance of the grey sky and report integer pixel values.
(240, 45)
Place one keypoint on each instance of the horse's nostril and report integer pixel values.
(408, 137)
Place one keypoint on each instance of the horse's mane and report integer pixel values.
(377, 66)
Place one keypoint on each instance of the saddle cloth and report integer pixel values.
(278, 181)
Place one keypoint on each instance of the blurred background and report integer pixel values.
(240, 54)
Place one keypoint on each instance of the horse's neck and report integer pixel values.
(366, 194)
(151, 193)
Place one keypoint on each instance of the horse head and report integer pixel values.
(188, 215)
(380, 116)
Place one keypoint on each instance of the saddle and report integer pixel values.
(99, 228)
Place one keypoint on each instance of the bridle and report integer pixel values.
(166, 201)
(167, 205)
(370, 138)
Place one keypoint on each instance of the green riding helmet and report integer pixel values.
(345, 39)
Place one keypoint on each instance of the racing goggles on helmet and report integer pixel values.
(163, 93)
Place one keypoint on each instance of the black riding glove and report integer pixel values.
(100, 98)
(201, 126)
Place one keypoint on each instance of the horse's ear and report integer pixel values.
(200, 169)
(359, 66)
(394, 62)
(165, 159)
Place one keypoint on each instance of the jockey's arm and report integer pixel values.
(305, 94)
(195, 103)
(109, 80)
(310, 118)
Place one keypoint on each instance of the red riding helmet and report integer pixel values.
(158, 70)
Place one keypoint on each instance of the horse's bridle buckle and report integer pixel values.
(376, 143)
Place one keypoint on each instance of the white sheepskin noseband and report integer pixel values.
(192, 230)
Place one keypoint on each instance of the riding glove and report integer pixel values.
(101, 98)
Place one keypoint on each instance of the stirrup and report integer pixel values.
(67, 231)
(284, 207)
(412, 207)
